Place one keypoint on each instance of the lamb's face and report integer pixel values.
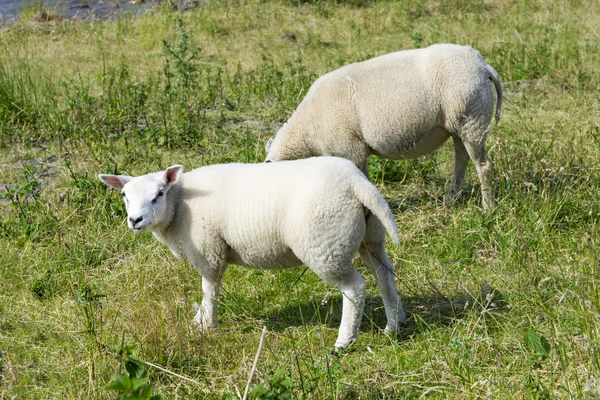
(145, 201)
(145, 196)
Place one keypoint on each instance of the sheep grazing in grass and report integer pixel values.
(271, 216)
(399, 106)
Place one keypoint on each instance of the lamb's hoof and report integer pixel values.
(392, 326)
(339, 351)
(343, 346)
(449, 201)
(488, 207)
(203, 326)
(390, 330)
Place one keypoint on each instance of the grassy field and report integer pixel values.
(501, 305)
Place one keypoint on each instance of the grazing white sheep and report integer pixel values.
(271, 216)
(399, 106)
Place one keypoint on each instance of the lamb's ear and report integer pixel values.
(115, 181)
(172, 175)
(268, 145)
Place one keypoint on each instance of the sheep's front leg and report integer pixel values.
(206, 317)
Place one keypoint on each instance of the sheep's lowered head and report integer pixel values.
(267, 148)
(273, 146)
(145, 196)
(277, 152)
(288, 144)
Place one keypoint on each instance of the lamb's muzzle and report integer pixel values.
(134, 221)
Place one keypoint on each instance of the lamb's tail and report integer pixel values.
(370, 197)
(496, 80)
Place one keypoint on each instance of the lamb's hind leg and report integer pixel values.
(353, 288)
(372, 252)
(344, 276)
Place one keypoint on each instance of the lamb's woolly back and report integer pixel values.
(224, 185)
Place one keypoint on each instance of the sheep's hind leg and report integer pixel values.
(372, 252)
(474, 127)
(461, 159)
(483, 165)
(206, 317)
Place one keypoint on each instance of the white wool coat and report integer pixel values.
(399, 106)
(271, 216)
(267, 216)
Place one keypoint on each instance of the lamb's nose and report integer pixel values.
(134, 221)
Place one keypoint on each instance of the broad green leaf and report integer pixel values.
(137, 383)
(120, 383)
(258, 390)
(134, 368)
(536, 343)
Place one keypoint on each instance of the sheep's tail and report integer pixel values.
(370, 197)
(496, 80)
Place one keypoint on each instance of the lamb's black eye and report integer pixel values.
(159, 194)
(123, 194)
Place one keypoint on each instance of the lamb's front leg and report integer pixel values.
(206, 317)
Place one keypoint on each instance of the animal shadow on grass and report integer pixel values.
(423, 312)
(415, 197)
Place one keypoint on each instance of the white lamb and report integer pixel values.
(271, 216)
(399, 106)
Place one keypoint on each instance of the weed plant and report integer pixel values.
(501, 305)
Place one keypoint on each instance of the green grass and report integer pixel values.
(501, 305)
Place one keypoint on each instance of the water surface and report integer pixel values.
(82, 9)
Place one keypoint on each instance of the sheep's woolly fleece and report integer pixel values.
(271, 216)
(400, 105)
